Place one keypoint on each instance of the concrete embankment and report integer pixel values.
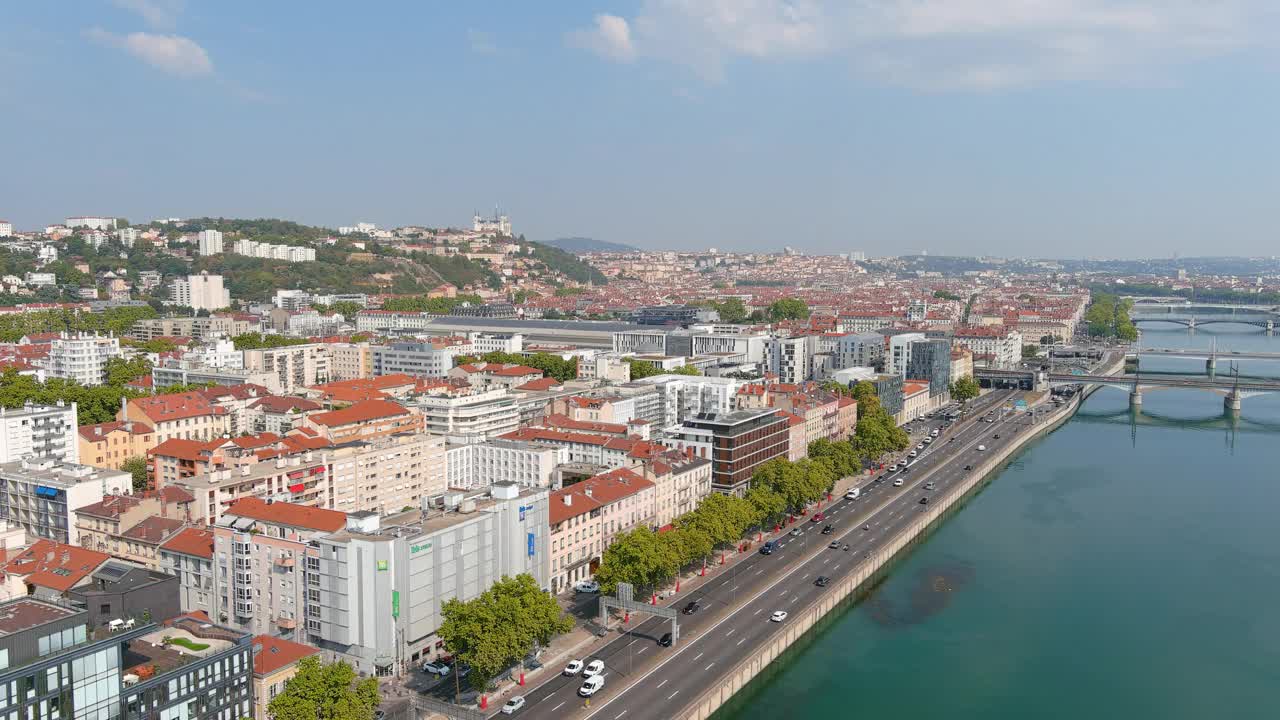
(757, 660)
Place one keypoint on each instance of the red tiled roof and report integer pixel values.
(110, 506)
(154, 529)
(284, 404)
(282, 513)
(245, 391)
(564, 422)
(54, 565)
(271, 654)
(174, 494)
(194, 450)
(248, 442)
(544, 383)
(363, 411)
(911, 388)
(177, 406)
(100, 431)
(191, 541)
(606, 489)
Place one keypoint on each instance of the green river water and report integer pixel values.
(1121, 567)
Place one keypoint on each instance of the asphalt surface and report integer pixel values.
(644, 680)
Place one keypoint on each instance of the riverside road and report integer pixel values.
(644, 680)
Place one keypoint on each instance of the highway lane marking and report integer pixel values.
(664, 682)
(695, 657)
(794, 598)
(672, 695)
(615, 717)
(562, 702)
(760, 571)
(708, 667)
(731, 631)
(742, 641)
(646, 647)
(757, 612)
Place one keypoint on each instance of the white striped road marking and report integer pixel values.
(672, 695)
(664, 682)
(615, 717)
(731, 631)
(558, 706)
(695, 657)
(742, 641)
(707, 667)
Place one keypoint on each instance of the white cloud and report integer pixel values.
(971, 44)
(159, 14)
(610, 38)
(174, 54)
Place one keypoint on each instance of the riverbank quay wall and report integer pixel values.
(757, 660)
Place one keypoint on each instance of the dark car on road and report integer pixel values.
(691, 608)
(822, 581)
(835, 545)
(828, 530)
(665, 640)
(924, 501)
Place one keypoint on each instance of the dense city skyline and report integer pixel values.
(1096, 129)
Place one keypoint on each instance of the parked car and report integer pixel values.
(587, 586)
(436, 668)
(513, 705)
(573, 668)
(778, 616)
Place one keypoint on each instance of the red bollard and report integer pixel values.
(654, 601)
(828, 497)
(703, 571)
(677, 586)
(721, 558)
(521, 679)
(626, 618)
(484, 702)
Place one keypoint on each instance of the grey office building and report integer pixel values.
(931, 360)
(375, 592)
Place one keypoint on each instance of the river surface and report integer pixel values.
(1121, 567)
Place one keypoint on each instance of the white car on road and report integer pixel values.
(435, 668)
(897, 482)
(594, 668)
(513, 705)
(573, 668)
(778, 616)
(981, 448)
(591, 686)
(587, 586)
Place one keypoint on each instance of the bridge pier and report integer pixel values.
(1211, 365)
(1191, 323)
(1271, 326)
(1135, 399)
(1232, 402)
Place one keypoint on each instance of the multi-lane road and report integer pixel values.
(644, 680)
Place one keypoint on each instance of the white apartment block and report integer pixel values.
(860, 350)
(683, 396)
(474, 466)
(40, 279)
(899, 353)
(790, 358)
(268, 251)
(41, 495)
(92, 223)
(82, 357)
(610, 367)
(392, 321)
(481, 415)
(995, 345)
(350, 361)
(209, 242)
(486, 342)
(201, 292)
(128, 236)
(35, 431)
(295, 366)
(6, 228)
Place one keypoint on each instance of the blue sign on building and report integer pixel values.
(532, 542)
(522, 509)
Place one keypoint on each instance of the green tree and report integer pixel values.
(841, 456)
(766, 502)
(325, 692)
(137, 467)
(788, 308)
(638, 557)
(258, 341)
(965, 389)
(731, 310)
(1030, 351)
(945, 295)
(491, 632)
(120, 370)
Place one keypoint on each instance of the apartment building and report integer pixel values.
(992, 345)
(188, 556)
(131, 527)
(81, 357)
(364, 420)
(791, 358)
(196, 328)
(430, 358)
(586, 516)
(200, 292)
(209, 242)
(294, 366)
(898, 355)
(377, 587)
(299, 479)
(260, 548)
(931, 361)
(275, 662)
(40, 495)
(189, 416)
(683, 396)
(386, 474)
(736, 443)
(496, 374)
(111, 444)
(859, 350)
(608, 367)
(75, 666)
(680, 483)
(39, 431)
(350, 361)
(478, 465)
(484, 414)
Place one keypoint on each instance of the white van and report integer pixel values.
(981, 448)
(853, 494)
(591, 686)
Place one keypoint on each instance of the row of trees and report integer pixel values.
(325, 692)
(504, 624)
(433, 305)
(111, 320)
(965, 388)
(93, 404)
(643, 369)
(552, 365)
(258, 341)
(1108, 316)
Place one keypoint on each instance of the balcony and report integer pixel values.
(286, 623)
(284, 561)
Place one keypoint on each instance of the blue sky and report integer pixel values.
(1061, 128)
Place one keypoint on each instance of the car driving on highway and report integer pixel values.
(513, 705)
(778, 616)
(594, 668)
(592, 686)
(573, 668)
